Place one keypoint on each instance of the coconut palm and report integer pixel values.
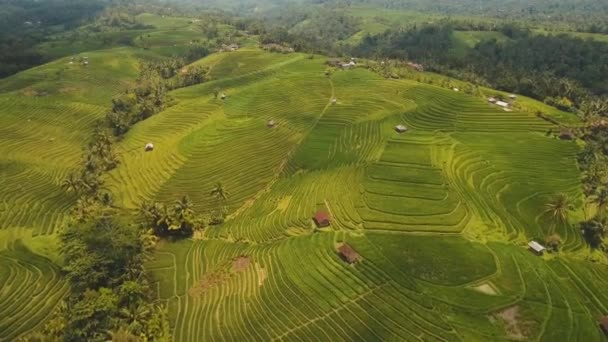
(72, 183)
(221, 195)
(219, 192)
(183, 209)
(600, 200)
(558, 208)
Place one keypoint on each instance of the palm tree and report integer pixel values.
(558, 208)
(183, 208)
(72, 183)
(600, 199)
(221, 195)
(219, 192)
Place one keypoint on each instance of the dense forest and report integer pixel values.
(558, 69)
(25, 23)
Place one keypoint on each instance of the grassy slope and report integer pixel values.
(405, 202)
(433, 212)
(48, 114)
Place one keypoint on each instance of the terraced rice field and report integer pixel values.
(47, 115)
(439, 215)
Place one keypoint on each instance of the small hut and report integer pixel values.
(502, 104)
(271, 124)
(149, 147)
(513, 96)
(456, 89)
(348, 254)
(536, 248)
(492, 99)
(321, 219)
(224, 96)
(334, 101)
(400, 129)
(604, 325)
(566, 134)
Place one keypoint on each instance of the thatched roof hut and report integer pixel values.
(149, 147)
(348, 254)
(566, 134)
(604, 325)
(321, 219)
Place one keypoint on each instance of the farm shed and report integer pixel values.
(321, 219)
(502, 104)
(604, 325)
(271, 123)
(400, 128)
(566, 134)
(149, 147)
(536, 247)
(348, 254)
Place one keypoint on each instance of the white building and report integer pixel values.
(502, 104)
(536, 247)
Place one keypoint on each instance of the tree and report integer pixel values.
(219, 192)
(72, 183)
(593, 232)
(558, 209)
(553, 242)
(182, 215)
(600, 200)
(221, 195)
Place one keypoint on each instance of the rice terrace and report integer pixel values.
(267, 193)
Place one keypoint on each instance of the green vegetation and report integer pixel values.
(208, 234)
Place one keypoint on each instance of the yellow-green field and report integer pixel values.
(440, 215)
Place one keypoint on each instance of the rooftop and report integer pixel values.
(348, 253)
(537, 247)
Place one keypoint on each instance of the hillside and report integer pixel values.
(440, 215)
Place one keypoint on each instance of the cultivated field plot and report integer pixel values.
(438, 215)
(404, 202)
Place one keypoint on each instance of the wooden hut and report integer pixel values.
(604, 325)
(348, 254)
(321, 219)
(566, 134)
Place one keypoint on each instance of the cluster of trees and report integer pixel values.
(99, 157)
(306, 29)
(150, 94)
(593, 228)
(116, 18)
(110, 295)
(178, 220)
(561, 70)
(25, 23)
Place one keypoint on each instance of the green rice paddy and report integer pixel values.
(440, 215)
